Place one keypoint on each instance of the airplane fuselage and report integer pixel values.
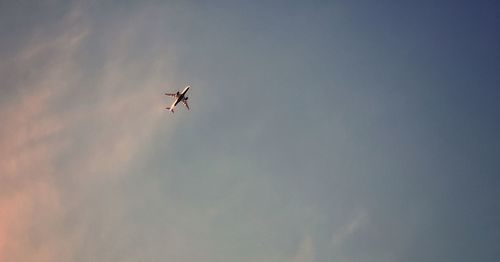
(179, 98)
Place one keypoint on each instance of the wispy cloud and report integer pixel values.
(346, 231)
(47, 137)
(305, 252)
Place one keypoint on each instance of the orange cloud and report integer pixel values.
(28, 197)
(40, 143)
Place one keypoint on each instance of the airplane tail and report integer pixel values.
(170, 109)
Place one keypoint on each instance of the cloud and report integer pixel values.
(28, 197)
(53, 144)
(305, 252)
(360, 220)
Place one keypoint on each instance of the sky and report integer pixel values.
(346, 131)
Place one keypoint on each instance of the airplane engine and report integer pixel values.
(186, 98)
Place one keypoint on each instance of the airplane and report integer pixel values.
(179, 97)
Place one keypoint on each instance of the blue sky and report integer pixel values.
(321, 131)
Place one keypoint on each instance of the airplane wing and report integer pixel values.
(185, 103)
(170, 94)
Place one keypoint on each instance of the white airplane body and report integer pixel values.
(179, 97)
